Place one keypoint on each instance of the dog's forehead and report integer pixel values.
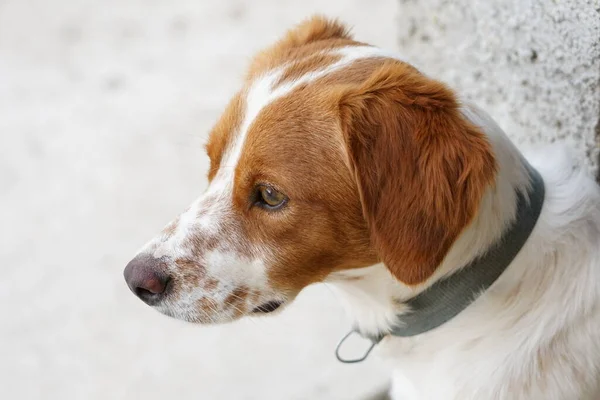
(276, 101)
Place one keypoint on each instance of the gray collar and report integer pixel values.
(448, 297)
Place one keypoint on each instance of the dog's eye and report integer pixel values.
(269, 197)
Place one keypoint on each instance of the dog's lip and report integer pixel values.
(267, 307)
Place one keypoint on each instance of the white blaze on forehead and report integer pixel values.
(217, 199)
(261, 94)
(206, 214)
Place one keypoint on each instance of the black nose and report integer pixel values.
(145, 277)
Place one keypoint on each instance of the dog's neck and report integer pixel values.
(376, 298)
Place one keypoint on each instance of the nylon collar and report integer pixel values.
(446, 298)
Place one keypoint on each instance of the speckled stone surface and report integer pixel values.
(534, 65)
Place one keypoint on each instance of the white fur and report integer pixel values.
(535, 334)
(205, 216)
(215, 203)
(262, 93)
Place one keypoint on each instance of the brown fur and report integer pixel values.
(376, 160)
(237, 300)
(321, 229)
(305, 65)
(170, 229)
(309, 37)
(221, 133)
(421, 167)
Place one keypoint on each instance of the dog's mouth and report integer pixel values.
(267, 307)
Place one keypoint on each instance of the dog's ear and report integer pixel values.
(314, 29)
(420, 166)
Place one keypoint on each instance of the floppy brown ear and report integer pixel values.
(314, 29)
(421, 168)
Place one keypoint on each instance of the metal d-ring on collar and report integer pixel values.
(373, 340)
(446, 298)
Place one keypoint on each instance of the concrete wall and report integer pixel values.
(534, 65)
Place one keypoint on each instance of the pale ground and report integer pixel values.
(104, 107)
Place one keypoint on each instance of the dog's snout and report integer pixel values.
(145, 278)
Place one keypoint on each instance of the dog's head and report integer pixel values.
(332, 156)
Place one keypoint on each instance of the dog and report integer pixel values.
(474, 267)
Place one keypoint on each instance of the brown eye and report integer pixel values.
(269, 197)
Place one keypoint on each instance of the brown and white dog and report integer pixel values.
(339, 162)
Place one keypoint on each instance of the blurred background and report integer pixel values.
(104, 108)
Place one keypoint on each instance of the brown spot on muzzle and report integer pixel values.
(207, 305)
(237, 300)
(170, 229)
(188, 273)
(210, 284)
(191, 265)
(198, 243)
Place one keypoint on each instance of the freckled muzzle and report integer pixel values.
(156, 284)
